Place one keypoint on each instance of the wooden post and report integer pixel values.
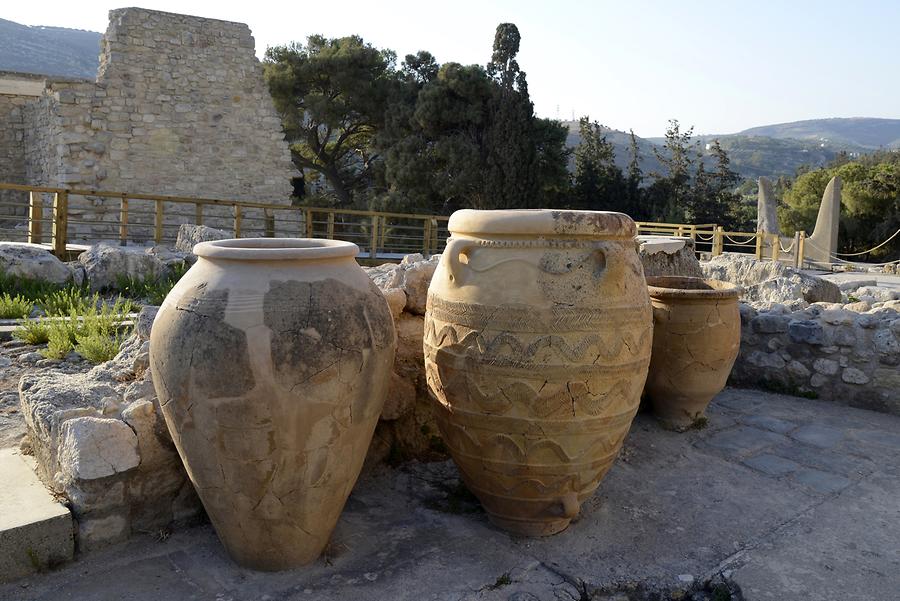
(198, 213)
(759, 245)
(35, 215)
(694, 235)
(801, 243)
(373, 238)
(123, 221)
(718, 242)
(158, 222)
(797, 259)
(776, 246)
(60, 222)
(269, 215)
(237, 221)
(309, 223)
(426, 236)
(330, 232)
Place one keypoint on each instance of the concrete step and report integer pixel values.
(35, 529)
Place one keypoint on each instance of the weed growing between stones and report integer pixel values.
(14, 307)
(94, 333)
(32, 331)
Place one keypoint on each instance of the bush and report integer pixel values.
(32, 331)
(67, 300)
(14, 307)
(98, 348)
(94, 333)
(60, 338)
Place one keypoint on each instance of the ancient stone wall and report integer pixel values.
(179, 108)
(16, 92)
(823, 351)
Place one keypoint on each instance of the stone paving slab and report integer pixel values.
(768, 498)
(35, 529)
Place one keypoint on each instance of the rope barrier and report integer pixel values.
(840, 260)
(741, 243)
(871, 249)
(788, 249)
(702, 239)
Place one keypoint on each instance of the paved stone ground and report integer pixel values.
(782, 497)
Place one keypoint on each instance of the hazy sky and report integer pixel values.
(721, 66)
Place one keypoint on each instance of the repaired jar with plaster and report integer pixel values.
(271, 360)
(537, 342)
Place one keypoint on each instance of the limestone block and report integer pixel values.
(416, 276)
(665, 255)
(770, 280)
(806, 332)
(827, 367)
(104, 265)
(190, 235)
(851, 375)
(33, 262)
(768, 323)
(93, 447)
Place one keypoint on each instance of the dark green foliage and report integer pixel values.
(870, 203)
(332, 95)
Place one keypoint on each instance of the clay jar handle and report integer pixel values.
(455, 248)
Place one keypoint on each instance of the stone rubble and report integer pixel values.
(101, 442)
(771, 281)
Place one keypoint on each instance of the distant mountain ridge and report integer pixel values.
(49, 50)
(865, 132)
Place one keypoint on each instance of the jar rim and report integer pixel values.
(275, 249)
(685, 287)
(543, 222)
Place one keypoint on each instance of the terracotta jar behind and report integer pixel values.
(537, 341)
(271, 359)
(696, 338)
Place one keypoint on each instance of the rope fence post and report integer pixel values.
(801, 247)
(123, 221)
(158, 222)
(308, 214)
(759, 245)
(237, 220)
(796, 245)
(373, 235)
(269, 216)
(35, 215)
(60, 222)
(776, 246)
(718, 242)
(330, 231)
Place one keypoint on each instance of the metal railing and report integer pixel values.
(125, 217)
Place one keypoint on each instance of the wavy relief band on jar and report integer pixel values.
(536, 349)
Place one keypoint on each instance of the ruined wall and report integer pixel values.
(179, 107)
(823, 351)
(17, 91)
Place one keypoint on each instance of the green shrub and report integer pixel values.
(97, 347)
(63, 302)
(32, 331)
(95, 333)
(14, 307)
(60, 338)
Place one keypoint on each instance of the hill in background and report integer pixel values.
(865, 132)
(49, 50)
